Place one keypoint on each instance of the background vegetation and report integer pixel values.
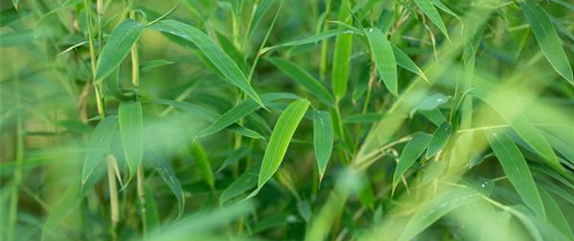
(287, 120)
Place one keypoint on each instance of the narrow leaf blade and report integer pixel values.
(384, 59)
(322, 139)
(131, 132)
(516, 169)
(222, 61)
(280, 139)
(547, 38)
(118, 46)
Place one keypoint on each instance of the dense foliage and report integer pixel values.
(287, 119)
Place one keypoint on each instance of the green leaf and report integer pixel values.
(131, 132)
(114, 87)
(342, 55)
(222, 61)
(547, 38)
(234, 156)
(555, 215)
(242, 184)
(209, 116)
(439, 139)
(241, 110)
(322, 140)
(117, 47)
(363, 118)
(154, 64)
(15, 3)
(430, 11)
(203, 162)
(407, 63)
(304, 79)
(8, 16)
(444, 8)
(436, 208)
(246, 132)
(49, 25)
(532, 136)
(98, 145)
(168, 175)
(310, 39)
(262, 8)
(280, 139)
(516, 169)
(189, 108)
(384, 58)
(412, 151)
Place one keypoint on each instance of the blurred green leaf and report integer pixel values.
(304, 79)
(98, 145)
(131, 131)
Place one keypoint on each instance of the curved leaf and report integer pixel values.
(322, 139)
(407, 63)
(547, 38)
(222, 61)
(516, 169)
(412, 151)
(241, 110)
(430, 11)
(439, 139)
(280, 139)
(203, 162)
(384, 58)
(117, 47)
(98, 145)
(305, 79)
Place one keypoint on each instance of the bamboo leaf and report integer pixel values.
(117, 47)
(407, 63)
(384, 56)
(98, 145)
(555, 215)
(412, 151)
(209, 116)
(342, 55)
(203, 162)
(516, 169)
(322, 140)
(8, 16)
(156, 63)
(436, 208)
(304, 79)
(280, 139)
(547, 38)
(131, 132)
(241, 110)
(222, 61)
(430, 11)
(439, 139)
(310, 39)
(169, 177)
(242, 184)
(113, 84)
(363, 118)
